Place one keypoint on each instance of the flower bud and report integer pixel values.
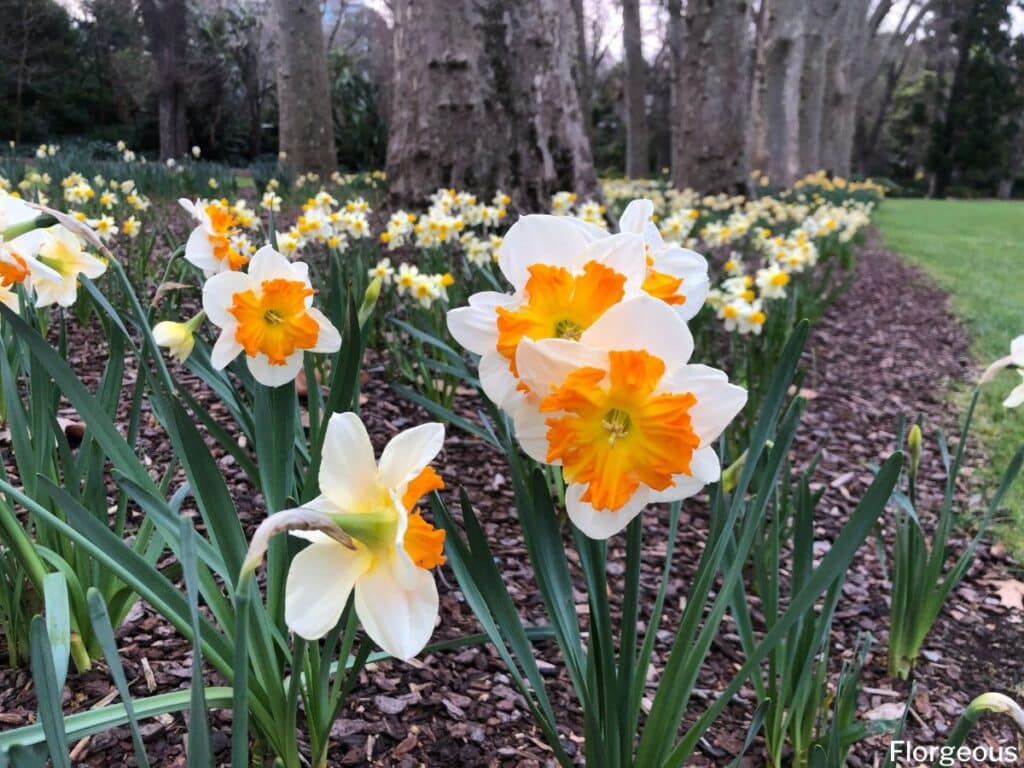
(179, 338)
(914, 449)
(369, 300)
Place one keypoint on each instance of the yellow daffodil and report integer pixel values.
(624, 414)
(268, 314)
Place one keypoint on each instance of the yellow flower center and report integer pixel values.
(780, 279)
(559, 305)
(275, 320)
(616, 433)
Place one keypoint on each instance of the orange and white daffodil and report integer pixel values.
(268, 314)
(566, 274)
(210, 246)
(19, 246)
(367, 537)
(675, 275)
(624, 414)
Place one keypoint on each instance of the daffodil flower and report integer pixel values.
(381, 550)
(268, 314)
(566, 274)
(1015, 359)
(209, 246)
(624, 414)
(675, 275)
(59, 260)
(179, 338)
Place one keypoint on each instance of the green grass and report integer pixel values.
(975, 251)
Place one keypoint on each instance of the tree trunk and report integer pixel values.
(712, 152)
(844, 73)
(757, 138)
(635, 91)
(817, 31)
(305, 125)
(584, 82)
(1015, 163)
(166, 26)
(484, 99)
(784, 63)
(675, 46)
(943, 150)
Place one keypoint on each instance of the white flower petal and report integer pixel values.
(543, 239)
(348, 472)
(1016, 397)
(644, 323)
(320, 579)
(704, 468)
(268, 264)
(544, 364)
(497, 380)
(532, 433)
(199, 252)
(634, 219)
(226, 348)
(329, 339)
(398, 616)
(270, 375)
(623, 253)
(475, 328)
(219, 294)
(600, 524)
(408, 452)
(718, 401)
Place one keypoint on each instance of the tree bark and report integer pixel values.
(844, 75)
(712, 152)
(166, 27)
(584, 80)
(485, 99)
(818, 29)
(637, 166)
(675, 46)
(784, 64)
(305, 125)
(1015, 164)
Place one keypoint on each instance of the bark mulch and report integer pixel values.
(887, 346)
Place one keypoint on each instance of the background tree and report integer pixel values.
(711, 150)
(167, 34)
(637, 165)
(485, 98)
(305, 126)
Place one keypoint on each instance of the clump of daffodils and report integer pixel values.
(589, 355)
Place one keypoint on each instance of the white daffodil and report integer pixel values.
(623, 413)
(62, 259)
(1016, 396)
(566, 274)
(772, 281)
(210, 245)
(382, 550)
(1015, 359)
(675, 275)
(268, 314)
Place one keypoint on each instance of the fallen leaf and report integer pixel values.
(1011, 593)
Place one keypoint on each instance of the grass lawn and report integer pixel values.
(975, 251)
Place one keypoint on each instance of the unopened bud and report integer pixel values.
(914, 449)
(369, 300)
